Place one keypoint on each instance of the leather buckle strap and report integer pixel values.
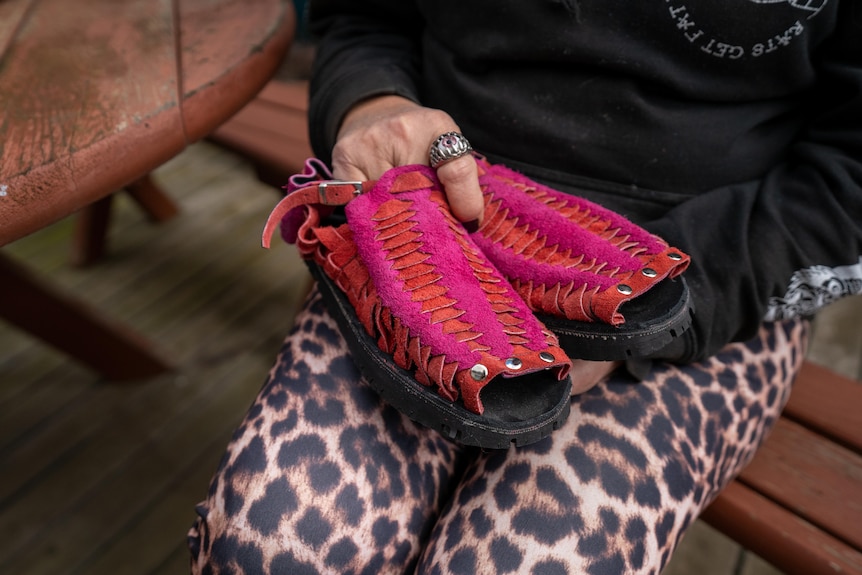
(327, 193)
(334, 192)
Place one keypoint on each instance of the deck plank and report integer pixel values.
(165, 453)
(94, 472)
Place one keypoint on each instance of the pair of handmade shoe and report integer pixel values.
(472, 333)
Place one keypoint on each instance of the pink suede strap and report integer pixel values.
(329, 193)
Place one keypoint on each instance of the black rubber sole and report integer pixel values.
(514, 414)
(653, 320)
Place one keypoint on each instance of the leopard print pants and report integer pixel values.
(323, 477)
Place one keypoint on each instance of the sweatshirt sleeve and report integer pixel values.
(366, 48)
(790, 243)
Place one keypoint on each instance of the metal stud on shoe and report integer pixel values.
(624, 289)
(546, 357)
(514, 363)
(478, 372)
(649, 272)
(674, 256)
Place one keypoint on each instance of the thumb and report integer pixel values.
(460, 180)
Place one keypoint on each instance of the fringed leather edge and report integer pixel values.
(584, 213)
(539, 238)
(454, 374)
(577, 302)
(336, 253)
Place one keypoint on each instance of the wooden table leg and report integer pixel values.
(91, 231)
(150, 197)
(73, 327)
(91, 223)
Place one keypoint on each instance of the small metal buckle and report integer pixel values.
(321, 189)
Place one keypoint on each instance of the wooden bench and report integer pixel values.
(798, 505)
(271, 131)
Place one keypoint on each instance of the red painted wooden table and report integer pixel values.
(94, 94)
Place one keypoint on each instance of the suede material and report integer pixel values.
(418, 283)
(436, 240)
(408, 350)
(313, 170)
(502, 174)
(470, 388)
(560, 270)
(557, 230)
(292, 210)
(565, 255)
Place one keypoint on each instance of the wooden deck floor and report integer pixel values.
(100, 478)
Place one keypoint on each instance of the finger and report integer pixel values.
(347, 167)
(362, 162)
(349, 172)
(460, 180)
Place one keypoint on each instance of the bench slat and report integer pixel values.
(272, 131)
(811, 476)
(799, 503)
(828, 403)
(285, 149)
(293, 94)
(778, 536)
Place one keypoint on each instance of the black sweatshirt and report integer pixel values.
(732, 128)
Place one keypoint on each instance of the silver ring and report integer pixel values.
(448, 147)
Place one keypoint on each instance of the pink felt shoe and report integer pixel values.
(605, 285)
(432, 324)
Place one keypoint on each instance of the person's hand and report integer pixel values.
(389, 131)
(586, 374)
